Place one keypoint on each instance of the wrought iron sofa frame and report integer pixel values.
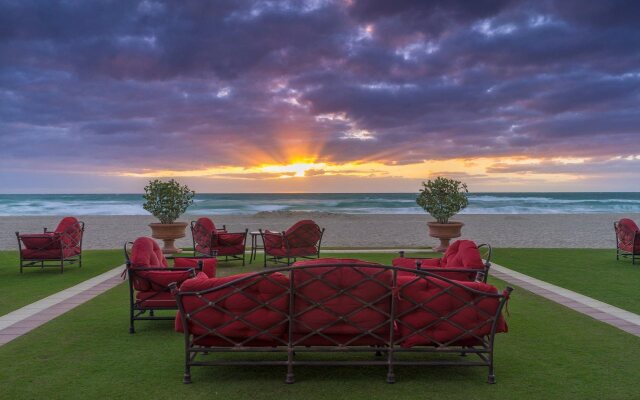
(136, 311)
(623, 253)
(481, 275)
(392, 346)
(58, 262)
(280, 260)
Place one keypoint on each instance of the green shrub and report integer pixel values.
(443, 198)
(167, 200)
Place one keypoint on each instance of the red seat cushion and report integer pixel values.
(208, 264)
(332, 300)
(160, 280)
(155, 299)
(238, 316)
(412, 262)
(52, 254)
(436, 299)
(41, 241)
(295, 252)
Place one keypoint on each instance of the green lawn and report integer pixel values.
(550, 352)
(18, 290)
(591, 272)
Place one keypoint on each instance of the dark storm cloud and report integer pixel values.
(193, 84)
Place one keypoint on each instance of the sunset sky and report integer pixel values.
(319, 96)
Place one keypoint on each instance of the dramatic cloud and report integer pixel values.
(134, 88)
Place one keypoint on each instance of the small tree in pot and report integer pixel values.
(443, 198)
(167, 201)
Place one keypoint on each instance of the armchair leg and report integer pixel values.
(187, 375)
(131, 318)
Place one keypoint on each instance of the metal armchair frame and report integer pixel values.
(238, 257)
(137, 310)
(389, 340)
(59, 262)
(287, 259)
(635, 241)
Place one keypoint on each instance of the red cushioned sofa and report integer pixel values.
(627, 239)
(339, 305)
(211, 241)
(52, 249)
(302, 240)
(150, 275)
(462, 261)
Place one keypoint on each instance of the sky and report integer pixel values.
(319, 96)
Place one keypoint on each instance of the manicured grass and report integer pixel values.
(591, 272)
(550, 352)
(18, 290)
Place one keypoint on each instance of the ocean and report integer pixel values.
(349, 203)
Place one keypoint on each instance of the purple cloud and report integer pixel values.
(183, 85)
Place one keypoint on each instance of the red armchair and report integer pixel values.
(52, 249)
(627, 239)
(150, 276)
(210, 241)
(462, 261)
(302, 240)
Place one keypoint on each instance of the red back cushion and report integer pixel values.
(272, 240)
(626, 231)
(203, 233)
(72, 230)
(342, 291)
(462, 254)
(146, 252)
(305, 233)
(424, 303)
(229, 304)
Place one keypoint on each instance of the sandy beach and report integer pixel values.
(354, 230)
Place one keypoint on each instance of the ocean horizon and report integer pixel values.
(343, 203)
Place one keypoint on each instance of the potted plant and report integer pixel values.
(443, 198)
(167, 201)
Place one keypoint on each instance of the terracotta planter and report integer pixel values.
(444, 232)
(168, 233)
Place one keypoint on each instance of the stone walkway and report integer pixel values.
(622, 319)
(27, 318)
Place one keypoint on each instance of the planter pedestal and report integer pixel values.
(444, 232)
(168, 233)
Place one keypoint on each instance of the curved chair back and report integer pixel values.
(145, 252)
(305, 233)
(203, 233)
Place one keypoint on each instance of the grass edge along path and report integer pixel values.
(18, 290)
